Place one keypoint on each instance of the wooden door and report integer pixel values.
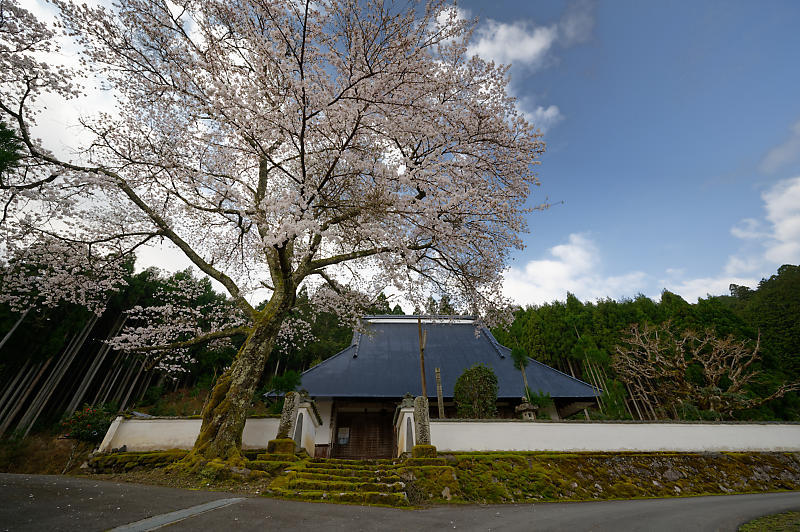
(363, 435)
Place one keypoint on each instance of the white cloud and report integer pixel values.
(543, 117)
(692, 289)
(749, 229)
(518, 42)
(782, 203)
(783, 154)
(571, 267)
(738, 265)
(776, 238)
(523, 42)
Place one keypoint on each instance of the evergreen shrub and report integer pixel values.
(476, 393)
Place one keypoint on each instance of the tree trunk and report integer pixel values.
(226, 409)
(524, 378)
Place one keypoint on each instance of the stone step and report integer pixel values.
(274, 457)
(381, 498)
(308, 475)
(346, 461)
(355, 466)
(355, 473)
(339, 486)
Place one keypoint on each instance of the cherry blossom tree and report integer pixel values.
(336, 144)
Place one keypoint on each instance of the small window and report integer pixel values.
(343, 436)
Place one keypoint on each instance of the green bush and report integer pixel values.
(89, 424)
(476, 392)
(540, 399)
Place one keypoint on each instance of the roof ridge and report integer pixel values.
(492, 341)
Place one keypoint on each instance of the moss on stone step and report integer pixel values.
(369, 498)
(309, 475)
(252, 454)
(365, 466)
(277, 457)
(418, 462)
(357, 473)
(346, 462)
(329, 485)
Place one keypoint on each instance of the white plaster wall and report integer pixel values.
(160, 434)
(533, 436)
(323, 434)
(309, 429)
(258, 431)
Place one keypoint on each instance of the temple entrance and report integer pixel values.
(363, 435)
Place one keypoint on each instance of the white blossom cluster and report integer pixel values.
(52, 271)
(185, 309)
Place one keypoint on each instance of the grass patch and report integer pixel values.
(786, 522)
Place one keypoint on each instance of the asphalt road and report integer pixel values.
(42, 502)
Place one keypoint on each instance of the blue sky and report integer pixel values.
(673, 133)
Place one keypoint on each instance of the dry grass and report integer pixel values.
(43, 454)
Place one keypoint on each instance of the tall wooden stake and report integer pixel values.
(423, 336)
(439, 397)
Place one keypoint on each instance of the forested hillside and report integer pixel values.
(582, 339)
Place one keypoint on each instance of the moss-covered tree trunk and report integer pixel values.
(226, 409)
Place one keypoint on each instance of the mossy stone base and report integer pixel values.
(269, 466)
(431, 483)
(506, 477)
(423, 451)
(281, 446)
(125, 462)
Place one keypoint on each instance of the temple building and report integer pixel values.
(357, 391)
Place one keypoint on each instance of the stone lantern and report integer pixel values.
(527, 410)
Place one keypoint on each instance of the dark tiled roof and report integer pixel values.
(384, 362)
